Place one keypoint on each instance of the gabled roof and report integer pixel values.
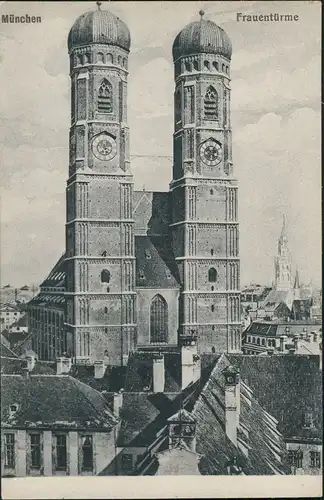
(151, 212)
(265, 446)
(155, 263)
(53, 401)
(285, 386)
(56, 278)
(5, 351)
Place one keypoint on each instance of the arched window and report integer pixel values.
(119, 60)
(105, 310)
(212, 308)
(211, 104)
(188, 66)
(105, 276)
(109, 58)
(206, 64)
(211, 251)
(195, 65)
(159, 320)
(211, 191)
(212, 275)
(86, 59)
(215, 64)
(223, 68)
(125, 62)
(258, 341)
(100, 58)
(105, 97)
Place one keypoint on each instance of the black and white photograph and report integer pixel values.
(161, 276)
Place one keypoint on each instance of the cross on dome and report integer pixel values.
(201, 13)
(98, 5)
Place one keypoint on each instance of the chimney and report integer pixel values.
(158, 372)
(296, 342)
(31, 361)
(63, 365)
(232, 402)
(190, 363)
(117, 402)
(283, 341)
(99, 369)
(25, 372)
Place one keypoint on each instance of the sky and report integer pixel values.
(275, 104)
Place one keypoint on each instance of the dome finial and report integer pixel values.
(98, 5)
(201, 13)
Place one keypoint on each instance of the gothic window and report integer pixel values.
(159, 320)
(206, 64)
(195, 65)
(215, 64)
(212, 251)
(86, 59)
(211, 191)
(188, 66)
(105, 276)
(212, 275)
(211, 104)
(105, 97)
(105, 310)
(212, 308)
(100, 57)
(119, 60)
(79, 60)
(125, 62)
(109, 58)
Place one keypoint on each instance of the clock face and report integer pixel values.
(210, 152)
(104, 147)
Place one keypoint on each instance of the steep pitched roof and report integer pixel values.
(285, 386)
(155, 263)
(51, 401)
(151, 212)
(17, 366)
(5, 351)
(56, 278)
(140, 372)
(265, 446)
(112, 381)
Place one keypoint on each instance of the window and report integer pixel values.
(215, 64)
(35, 451)
(87, 453)
(206, 64)
(253, 340)
(105, 310)
(258, 341)
(12, 410)
(263, 341)
(249, 339)
(141, 275)
(61, 451)
(295, 458)
(211, 104)
(308, 419)
(212, 288)
(195, 65)
(9, 451)
(177, 105)
(212, 275)
(147, 254)
(213, 327)
(212, 308)
(105, 276)
(127, 462)
(211, 191)
(105, 97)
(188, 66)
(100, 57)
(159, 320)
(315, 459)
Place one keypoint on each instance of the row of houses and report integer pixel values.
(167, 412)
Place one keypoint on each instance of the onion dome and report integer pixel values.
(100, 26)
(202, 37)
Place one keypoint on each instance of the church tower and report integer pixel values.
(283, 272)
(100, 263)
(204, 222)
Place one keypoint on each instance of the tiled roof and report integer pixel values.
(51, 401)
(4, 341)
(15, 337)
(56, 278)
(178, 461)
(155, 263)
(17, 366)
(140, 372)
(151, 212)
(277, 296)
(5, 351)
(112, 381)
(214, 446)
(285, 386)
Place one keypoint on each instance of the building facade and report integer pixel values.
(146, 268)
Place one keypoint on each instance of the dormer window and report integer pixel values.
(147, 254)
(13, 410)
(168, 274)
(141, 275)
(308, 419)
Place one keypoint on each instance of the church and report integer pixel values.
(144, 270)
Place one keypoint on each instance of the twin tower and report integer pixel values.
(150, 269)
